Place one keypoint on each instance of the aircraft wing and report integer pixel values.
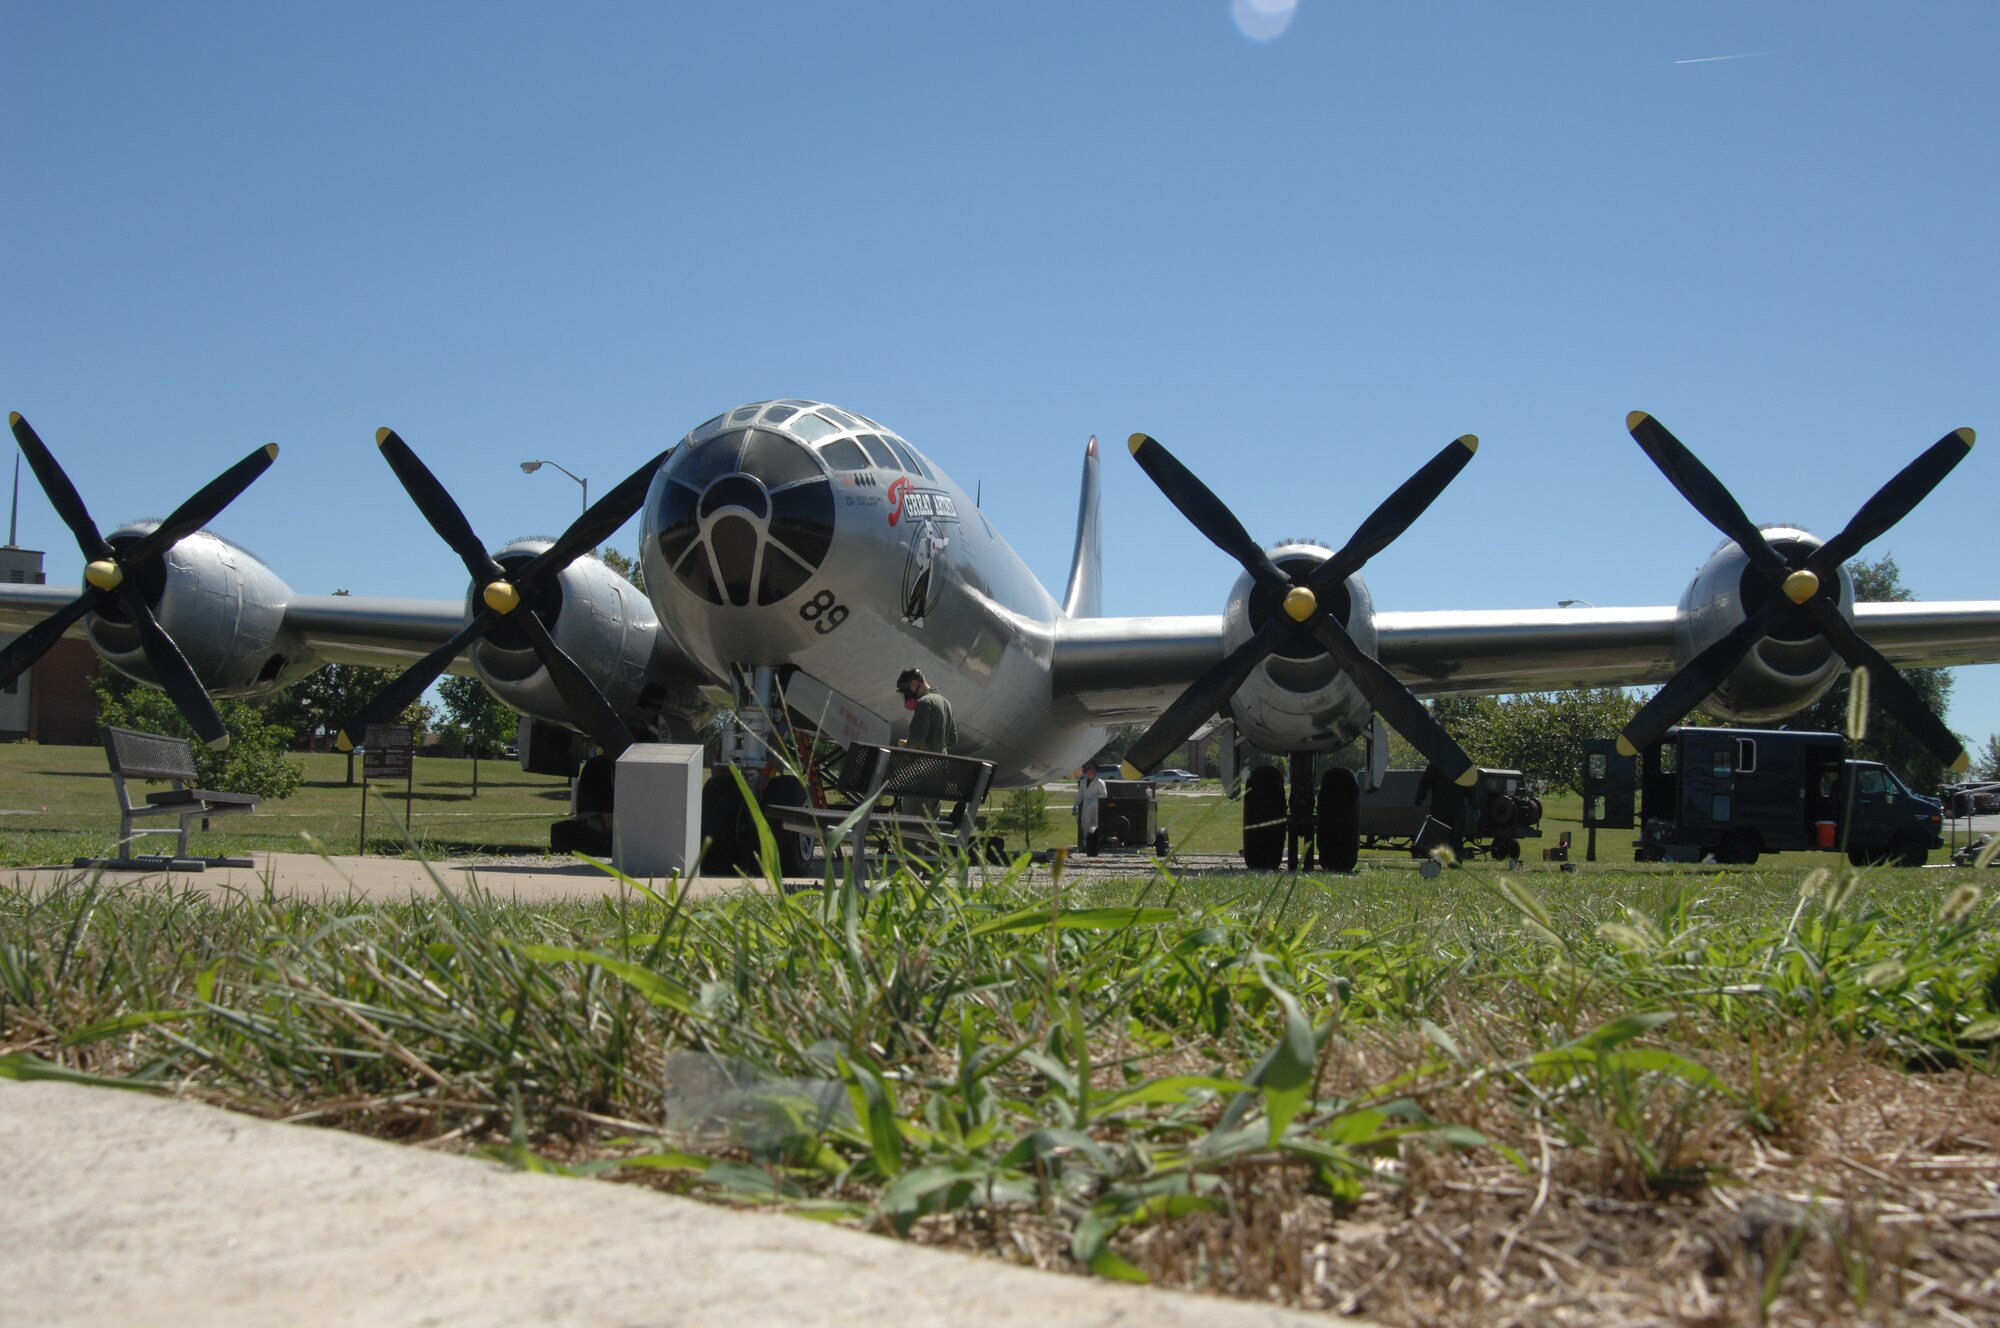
(343, 629)
(1118, 670)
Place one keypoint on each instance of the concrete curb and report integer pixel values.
(122, 1208)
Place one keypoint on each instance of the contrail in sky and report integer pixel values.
(1711, 59)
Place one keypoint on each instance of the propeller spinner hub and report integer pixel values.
(104, 574)
(501, 596)
(1300, 603)
(1801, 586)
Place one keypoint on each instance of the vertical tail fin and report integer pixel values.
(1084, 597)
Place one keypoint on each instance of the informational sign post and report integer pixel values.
(388, 753)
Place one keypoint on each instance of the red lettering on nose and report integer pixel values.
(897, 492)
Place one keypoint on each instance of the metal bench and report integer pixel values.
(867, 775)
(136, 755)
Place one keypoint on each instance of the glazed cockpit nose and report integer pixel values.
(745, 517)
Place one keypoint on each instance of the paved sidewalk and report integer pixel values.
(308, 876)
(122, 1208)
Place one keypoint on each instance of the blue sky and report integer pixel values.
(1303, 263)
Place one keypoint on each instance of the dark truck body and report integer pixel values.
(1733, 794)
(1493, 817)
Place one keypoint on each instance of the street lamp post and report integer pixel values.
(530, 467)
(1574, 603)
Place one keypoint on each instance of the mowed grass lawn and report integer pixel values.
(57, 804)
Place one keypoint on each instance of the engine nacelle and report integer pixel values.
(1786, 671)
(222, 607)
(1298, 700)
(604, 623)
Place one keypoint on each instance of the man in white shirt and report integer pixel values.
(1089, 805)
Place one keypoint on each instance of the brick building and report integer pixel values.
(51, 702)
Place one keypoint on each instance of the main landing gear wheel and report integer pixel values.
(1264, 819)
(726, 827)
(1339, 821)
(795, 849)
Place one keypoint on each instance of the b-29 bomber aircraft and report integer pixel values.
(798, 556)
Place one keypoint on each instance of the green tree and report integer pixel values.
(475, 715)
(1986, 765)
(1887, 741)
(626, 567)
(254, 762)
(1025, 810)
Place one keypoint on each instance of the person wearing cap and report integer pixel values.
(1089, 805)
(931, 726)
(931, 730)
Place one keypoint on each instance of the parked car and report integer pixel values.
(1171, 776)
(1971, 799)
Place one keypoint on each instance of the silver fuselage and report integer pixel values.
(776, 535)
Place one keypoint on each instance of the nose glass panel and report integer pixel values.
(746, 516)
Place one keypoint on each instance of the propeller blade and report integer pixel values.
(412, 682)
(438, 507)
(598, 524)
(1393, 701)
(1704, 492)
(1396, 513)
(587, 706)
(1889, 689)
(22, 652)
(1204, 697)
(171, 670)
(1691, 686)
(203, 506)
(1201, 507)
(62, 494)
(1893, 501)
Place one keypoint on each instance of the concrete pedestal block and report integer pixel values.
(656, 810)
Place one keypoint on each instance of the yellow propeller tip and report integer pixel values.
(343, 743)
(1966, 436)
(1801, 586)
(1470, 442)
(383, 435)
(1963, 763)
(1469, 778)
(13, 417)
(1625, 747)
(271, 451)
(1299, 604)
(1126, 770)
(1137, 441)
(221, 744)
(1636, 418)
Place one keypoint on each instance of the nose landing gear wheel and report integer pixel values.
(1264, 819)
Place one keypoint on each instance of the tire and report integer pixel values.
(1264, 819)
(1339, 828)
(1506, 850)
(1115, 829)
(795, 849)
(724, 818)
(1160, 844)
(1909, 850)
(1740, 848)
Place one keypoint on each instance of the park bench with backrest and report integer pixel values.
(866, 775)
(151, 756)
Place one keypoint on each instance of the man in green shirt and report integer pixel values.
(931, 729)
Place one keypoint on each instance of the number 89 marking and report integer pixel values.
(823, 613)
